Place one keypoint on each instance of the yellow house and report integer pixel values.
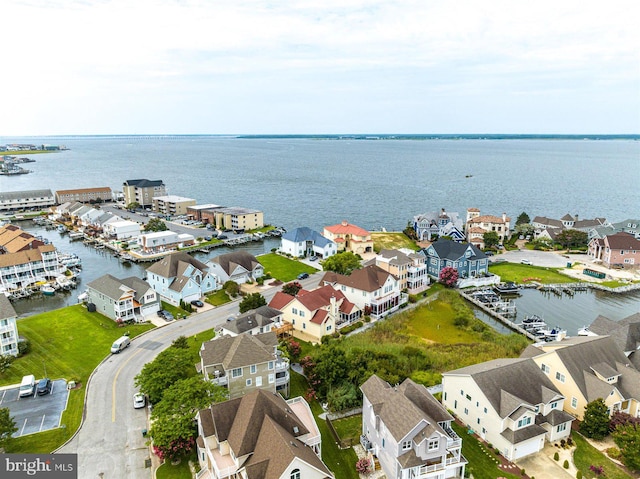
(349, 237)
(588, 368)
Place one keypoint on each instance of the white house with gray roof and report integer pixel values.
(255, 321)
(8, 328)
(238, 266)
(444, 223)
(409, 431)
(303, 242)
(129, 299)
(509, 403)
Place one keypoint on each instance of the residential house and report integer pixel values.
(466, 258)
(372, 289)
(304, 242)
(24, 200)
(630, 225)
(408, 266)
(409, 431)
(349, 237)
(26, 268)
(510, 403)
(84, 195)
(129, 299)
(625, 333)
(433, 225)
(255, 321)
(549, 228)
(8, 328)
(478, 225)
(588, 368)
(180, 277)
(161, 241)
(244, 363)
(259, 436)
(620, 250)
(142, 191)
(316, 313)
(238, 266)
(121, 230)
(14, 239)
(171, 205)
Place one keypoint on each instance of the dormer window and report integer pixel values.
(525, 421)
(406, 445)
(433, 444)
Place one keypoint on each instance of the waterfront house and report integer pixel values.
(625, 333)
(121, 230)
(255, 321)
(549, 227)
(244, 363)
(587, 368)
(510, 403)
(349, 237)
(372, 289)
(477, 225)
(84, 195)
(25, 269)
(227, 218)
(406, 265)
(430, 225)
(142, 191)
(316, 313)
(163, 241)
(409, 431)
(8, 328)
(171, 205)
(259, 435)
(466, 258)
(305, 242)
(619, 250)
(25, 200)
(129, 299)
(180, 277)
(14, 239)
(238, 266)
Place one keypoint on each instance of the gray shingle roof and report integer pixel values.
(109, 285)
(239, 351)
(174, 264)
(140, 286)
(370, 278)
(229, 261)
(253, 318)
(143, 183)
(6, 308)
(306, 234)
(454, 251)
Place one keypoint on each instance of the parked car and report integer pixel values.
(488, 253)
(526, 261)
(303, 275)
(139, 400)
(161, 313)
(313, 258)
(222, 237)
(44, 387)
(168, 316)
(197, 303)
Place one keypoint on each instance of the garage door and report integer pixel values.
(528, 447)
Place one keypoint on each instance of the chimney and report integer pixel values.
(504, 217)
(575, 218)
(344, 223)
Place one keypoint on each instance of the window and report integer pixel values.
(524, 421)
(259, 381)
(468, 397)
(455, 404)
(461, 392)
(432, 444)
(561, 427)
(554, 404)
(270, 365)
(249, 382)
(304, 325)
(301, 314)
(236, 373)
(560, 377)
(545, 369)
(478, 420)
(271, 378)
(485, 410)
(253, 368)
(406, 445)
(295, 474)
(328, 327)
(574, 403)
(466, 411)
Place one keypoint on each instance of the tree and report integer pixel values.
(620, 418)
(231, 288)
(187, 396)
(252, 301)
(170, 366)
(572, 238)
(292, 288)
(180, 342)
(523, 218)
(173, 436)
(491, 239)
(524, 229)
(156, 224)
(5, 362)
(449, 276)
(595, 423)
(7, 426)
(627, 438)
(342, 263)
(410, 232)
(133, 205)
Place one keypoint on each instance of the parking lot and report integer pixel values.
(35, 413)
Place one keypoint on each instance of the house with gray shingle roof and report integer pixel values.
(509, 403)
(255, 321)
(444, 223)
(409, 431)
(238, 266)
(303, 242)
(406, 265)
(260, 436)
(8, 328)
(625, 333)
(129, 299)
(588, 368)
(466, 258)
(616, 250)
(244, 363)
(181, 277)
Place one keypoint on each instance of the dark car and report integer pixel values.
(303, 275)
(44, 387)
(222, 237)
(168, 316)
(161, 313)
(197, 303)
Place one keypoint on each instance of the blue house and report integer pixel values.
(464, 257)
(302, 242)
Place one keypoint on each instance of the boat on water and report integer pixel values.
(62, 229)
(76, 235)
(507, 288)
(533, 322)
(47, 290)
(585, 331)
(69, 259)
(548, 335)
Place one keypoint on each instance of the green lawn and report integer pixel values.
(283, 268)
(482, 462)
(349, 428)
(70, 342)
(175, 310)
(393, 240)
(218, 298)
(519, 272)
(586, 455)
(434, 322)
(179, 471)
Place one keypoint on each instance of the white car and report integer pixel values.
(526, 261)
(139, 401)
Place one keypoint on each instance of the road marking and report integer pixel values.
(42, 422)
(2, 398)
(23, 426)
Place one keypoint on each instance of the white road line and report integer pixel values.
(2, 398)
(23, 426)
(42, 422)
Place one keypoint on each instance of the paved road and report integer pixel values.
(110, 443)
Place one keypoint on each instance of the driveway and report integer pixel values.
(543, 466)
(35, 413)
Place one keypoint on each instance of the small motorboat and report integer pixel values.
(47, 290)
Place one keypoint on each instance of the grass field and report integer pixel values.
(283, 268)
(585, 455)
(519, 272)
(434, 322)
(349, 428)
(70, 343)
(179, 471)
(218, 298)
(392, 241)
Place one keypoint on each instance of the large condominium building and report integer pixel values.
(23, 200)
(84, 195)
(142, 191)
(172, 205)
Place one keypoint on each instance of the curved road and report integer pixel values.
(109, 443)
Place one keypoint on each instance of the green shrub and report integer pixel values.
(24, 347)
(565, 464)
(613, 453)
(579, 475)
(556, 456)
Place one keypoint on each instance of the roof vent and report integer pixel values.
(293, 444)
(295, 430)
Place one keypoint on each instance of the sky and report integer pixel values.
(73, 67)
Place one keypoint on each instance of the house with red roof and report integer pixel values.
(349, 237)
(477, 225)
(316, 313)
(617, 250)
